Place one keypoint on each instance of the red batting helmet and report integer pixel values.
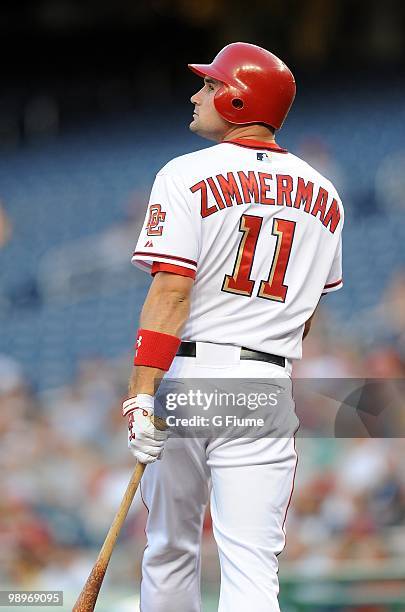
(258, 86)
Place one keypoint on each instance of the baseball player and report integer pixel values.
(241, 239)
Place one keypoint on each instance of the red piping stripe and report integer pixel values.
(159, 266)
(149, 254)
(291, 494)
(333, 284)
(292, 486)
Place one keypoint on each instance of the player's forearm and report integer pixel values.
(167, 316)
(166, 310)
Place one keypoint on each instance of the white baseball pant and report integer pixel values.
(250, 483)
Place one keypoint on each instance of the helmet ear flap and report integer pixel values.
(229, 103)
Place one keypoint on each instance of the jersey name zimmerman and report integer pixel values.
(242, 188)
(260, 232)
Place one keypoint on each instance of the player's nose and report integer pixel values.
(194, 98)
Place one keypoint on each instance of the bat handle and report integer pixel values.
(88, 597)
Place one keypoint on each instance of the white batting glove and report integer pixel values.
(145, 441)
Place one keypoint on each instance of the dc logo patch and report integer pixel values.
(154, 226)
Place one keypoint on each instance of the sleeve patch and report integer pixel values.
(156, 219)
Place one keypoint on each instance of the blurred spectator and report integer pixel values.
(11, 375)
(391, 310)
(5, 227)
(390, 182)
(315, 151)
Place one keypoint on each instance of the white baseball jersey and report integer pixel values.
(259, 229)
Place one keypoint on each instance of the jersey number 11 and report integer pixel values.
(240, 282)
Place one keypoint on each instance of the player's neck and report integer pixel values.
(249, 132)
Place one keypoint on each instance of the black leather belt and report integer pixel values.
(188, 349)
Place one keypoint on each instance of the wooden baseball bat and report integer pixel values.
(88, 597)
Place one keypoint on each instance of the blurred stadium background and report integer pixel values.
(94, 100)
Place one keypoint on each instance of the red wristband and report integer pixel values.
(155, 349)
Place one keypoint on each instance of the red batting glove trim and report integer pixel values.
(155, 349)
(143, 402)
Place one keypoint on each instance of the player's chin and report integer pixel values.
(194, 125)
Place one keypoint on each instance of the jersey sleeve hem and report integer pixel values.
(145, 259)
(157, 266)
(330, 287)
